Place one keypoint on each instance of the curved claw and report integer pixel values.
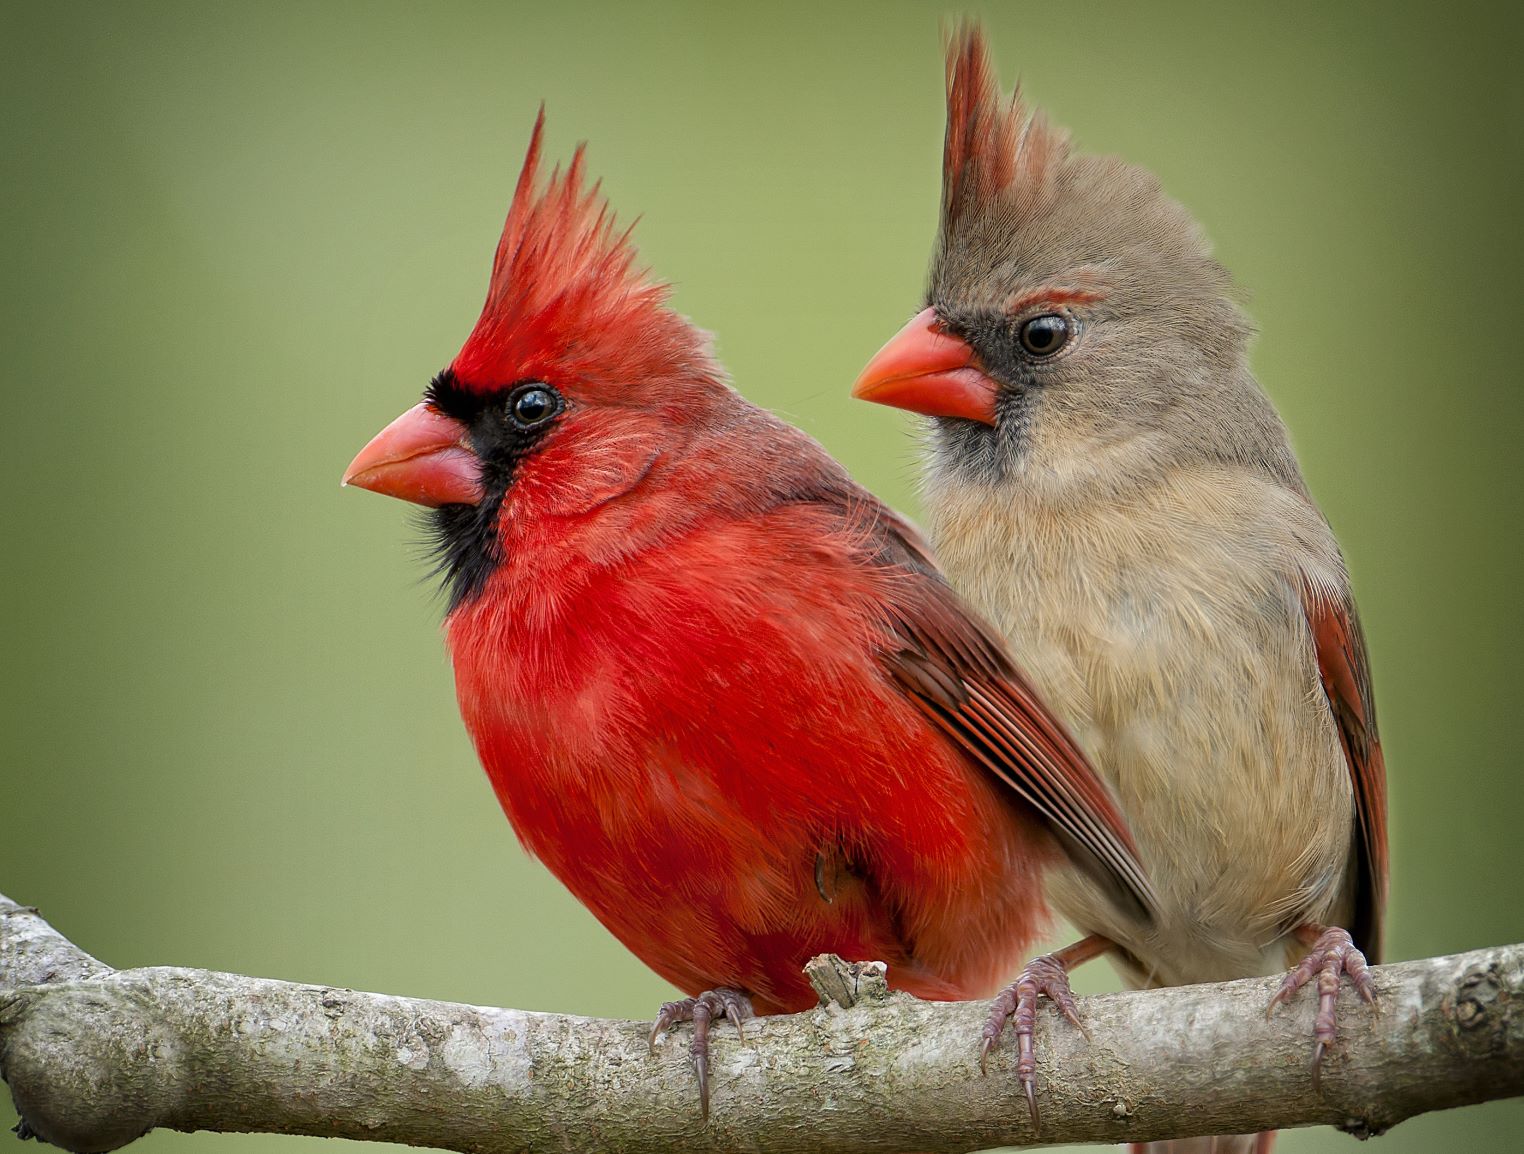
(735, 1018)
(1001, 1010)
(702, 1067)
(1046, 975)
(670, 1012)
(1332, 954)
(731, 1005)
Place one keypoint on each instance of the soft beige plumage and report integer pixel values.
(1110, 486)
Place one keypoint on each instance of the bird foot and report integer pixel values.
(711, 1004)
(1333, 953)
(1018, 1002)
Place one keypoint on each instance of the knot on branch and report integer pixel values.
(1480, 1006)
(87, 1064)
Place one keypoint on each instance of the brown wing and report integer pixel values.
(952, 666)
(1345, 670)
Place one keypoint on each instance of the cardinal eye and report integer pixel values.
(1045, 335)
(531, 406)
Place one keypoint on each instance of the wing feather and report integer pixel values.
(953, 667)
(1345, 670)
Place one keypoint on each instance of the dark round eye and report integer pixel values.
(1045, 335)
(533, 405)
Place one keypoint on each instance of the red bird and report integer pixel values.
(720, 690)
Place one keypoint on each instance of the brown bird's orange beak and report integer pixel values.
(420, 457)
(927, 370)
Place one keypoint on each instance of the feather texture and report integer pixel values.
(1345, 671)
(720, 690)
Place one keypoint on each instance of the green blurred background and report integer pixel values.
(238, 240)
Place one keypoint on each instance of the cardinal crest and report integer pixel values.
(994, 147)
(564, 279)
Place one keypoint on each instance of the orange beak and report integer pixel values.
(926, 370)
(420, 457)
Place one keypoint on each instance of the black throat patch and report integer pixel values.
(463, 540)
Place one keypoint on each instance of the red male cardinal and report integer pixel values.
(1110, 485)
(721, 692)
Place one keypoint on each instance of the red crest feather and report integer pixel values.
(992, 144)
(566, 295)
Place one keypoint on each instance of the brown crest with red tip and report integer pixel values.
(992, 144)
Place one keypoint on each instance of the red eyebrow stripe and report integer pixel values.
(1053, 296)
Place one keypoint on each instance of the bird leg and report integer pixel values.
(1331, 952)
(711, 1004)
(1048, 975)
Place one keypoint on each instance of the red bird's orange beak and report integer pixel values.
(927, 370)
(420, 457)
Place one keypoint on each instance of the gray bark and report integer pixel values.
(96, 1057)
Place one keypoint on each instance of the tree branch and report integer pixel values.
(96, 1057)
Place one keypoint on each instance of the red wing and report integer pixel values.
(1346, 674)
(950, 664)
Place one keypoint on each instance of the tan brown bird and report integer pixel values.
(1108, 483)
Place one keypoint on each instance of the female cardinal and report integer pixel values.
(1110, 485)
(720, 691)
